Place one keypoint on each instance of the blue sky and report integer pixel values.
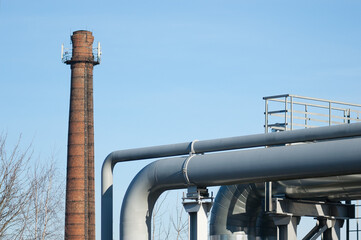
(171, 71)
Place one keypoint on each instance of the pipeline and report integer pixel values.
(238, 213)
(225, 168)
(258, 165)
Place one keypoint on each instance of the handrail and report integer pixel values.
(311, 98)
(309, 104)
(293, 110)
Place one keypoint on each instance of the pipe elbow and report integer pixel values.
(107, 172)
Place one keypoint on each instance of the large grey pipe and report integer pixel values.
(331, 158)
(238, 213)
(322, 133)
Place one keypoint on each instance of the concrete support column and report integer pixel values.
(286, 226)
(198, 220)
(198, 210)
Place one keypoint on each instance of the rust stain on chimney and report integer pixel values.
(80, 202)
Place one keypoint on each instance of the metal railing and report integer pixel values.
(67, 55)
(289, 112)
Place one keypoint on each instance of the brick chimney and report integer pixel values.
(80, 202)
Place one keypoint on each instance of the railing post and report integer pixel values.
(286, 113)
(291, 112)
(329, 113)
(266, 116)
(306, 116)
(268, 185)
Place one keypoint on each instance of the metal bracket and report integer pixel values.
(313, 208)
(287, 212)
(185, 164)
(197, 205)
(197, 196)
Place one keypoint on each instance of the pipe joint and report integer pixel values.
(192, 153)
(192, 147)
(185, 169)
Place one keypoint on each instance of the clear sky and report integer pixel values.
(171, 71)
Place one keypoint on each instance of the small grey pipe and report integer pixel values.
(223, 144)
(330, 158)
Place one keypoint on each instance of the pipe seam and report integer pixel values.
(185, 164)
(185, 169)
(192, 146)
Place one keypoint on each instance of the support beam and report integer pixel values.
(313, 208)
(287, 226)
(330, 217)
(321, 227)
(198, 208)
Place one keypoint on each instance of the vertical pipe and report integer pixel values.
(329, 113)
(306, 116)
(267, 185)
(266, 116)
(80, 207)
(291, 112)
(286, 113)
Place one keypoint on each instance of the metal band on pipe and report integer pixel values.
(192, 147)
(185, 164)
(185, 169)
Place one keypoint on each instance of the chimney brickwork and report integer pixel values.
(80, 199)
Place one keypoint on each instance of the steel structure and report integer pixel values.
(306, 112)
(320, 158)
(283, 113)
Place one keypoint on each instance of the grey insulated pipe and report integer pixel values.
(257, 165)
(323, 133)
(237, 212)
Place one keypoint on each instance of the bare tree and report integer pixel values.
(175, 227)
(15, 190)
(46, 206)
(157, 222)
(31, 196)
(180, 225)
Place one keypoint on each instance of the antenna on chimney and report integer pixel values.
(62, 51)
(99, 52)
